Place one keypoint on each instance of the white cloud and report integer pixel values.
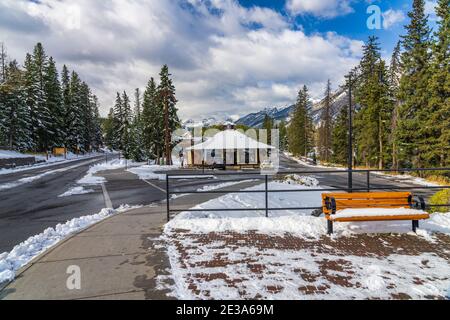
(319, 8)
(430, 8)
(225, 59)
(392, 17)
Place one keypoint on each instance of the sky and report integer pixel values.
(227, 57)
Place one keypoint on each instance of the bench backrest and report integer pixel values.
(367, 200)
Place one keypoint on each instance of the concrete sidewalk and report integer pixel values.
(119, 258)
(116, 258)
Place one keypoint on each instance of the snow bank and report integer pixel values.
(91, 179)
(76, 191)
(8, 154)
(50, 162)
(302, 180)
(148, 172)
(23, 253)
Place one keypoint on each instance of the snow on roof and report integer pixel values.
(230, 139)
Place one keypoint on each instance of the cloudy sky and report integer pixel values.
(227, 57)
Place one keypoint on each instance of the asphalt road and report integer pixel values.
(30, 208)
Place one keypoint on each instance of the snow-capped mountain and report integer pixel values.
(256, 119)
(207, 122)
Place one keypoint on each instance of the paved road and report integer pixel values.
(30, 208)
(340, 180)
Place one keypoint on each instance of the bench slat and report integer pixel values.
(380, 218)
(366, 195)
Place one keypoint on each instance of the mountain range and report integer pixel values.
(256, 119)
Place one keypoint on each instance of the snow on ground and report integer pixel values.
(23, 253)
(297, 222)
(227, 269)
(149, 172)
(22, 181)
(91, 179)
(8, 154)
(310, 165)
(76, 191)
(406, 178)
(51, 162)
(376, 212)
(243, 255)
(222, 185)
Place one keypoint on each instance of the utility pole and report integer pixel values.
(350, 135)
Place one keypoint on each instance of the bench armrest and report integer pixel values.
(419, 203)
(330, 203)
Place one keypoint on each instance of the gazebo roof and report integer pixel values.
(230, 139)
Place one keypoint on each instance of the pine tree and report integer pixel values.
(436, 147)
(340, 138)
(268, 126)
(326, 126)
(96, 129)
(86, 128)
(66, 109)
(3, 62)
(395, 73)
(137, 104)
(31, 97)
(126, 125)
(168, 101)
(54, 105)
(118, 123)
(152, 122)
(283, 136)
(374, 115)
(14, 115)
(109, 130)
(43, 117)
(299, 132)
(413, 92)
(74, 117)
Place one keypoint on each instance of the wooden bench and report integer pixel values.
(381, 205)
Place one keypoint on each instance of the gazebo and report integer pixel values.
(228, 149)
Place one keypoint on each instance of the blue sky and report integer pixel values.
(227, 57)
(352, 24)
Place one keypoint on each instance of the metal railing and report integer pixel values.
(368, 186)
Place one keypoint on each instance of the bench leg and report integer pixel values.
(330, 226)
(415, 225)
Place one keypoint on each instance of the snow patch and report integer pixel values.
(76, 191)
(149, 172)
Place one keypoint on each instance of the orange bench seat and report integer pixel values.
(373, 206)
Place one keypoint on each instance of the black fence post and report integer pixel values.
(267, 195)
(368, 180)
(167, 198)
